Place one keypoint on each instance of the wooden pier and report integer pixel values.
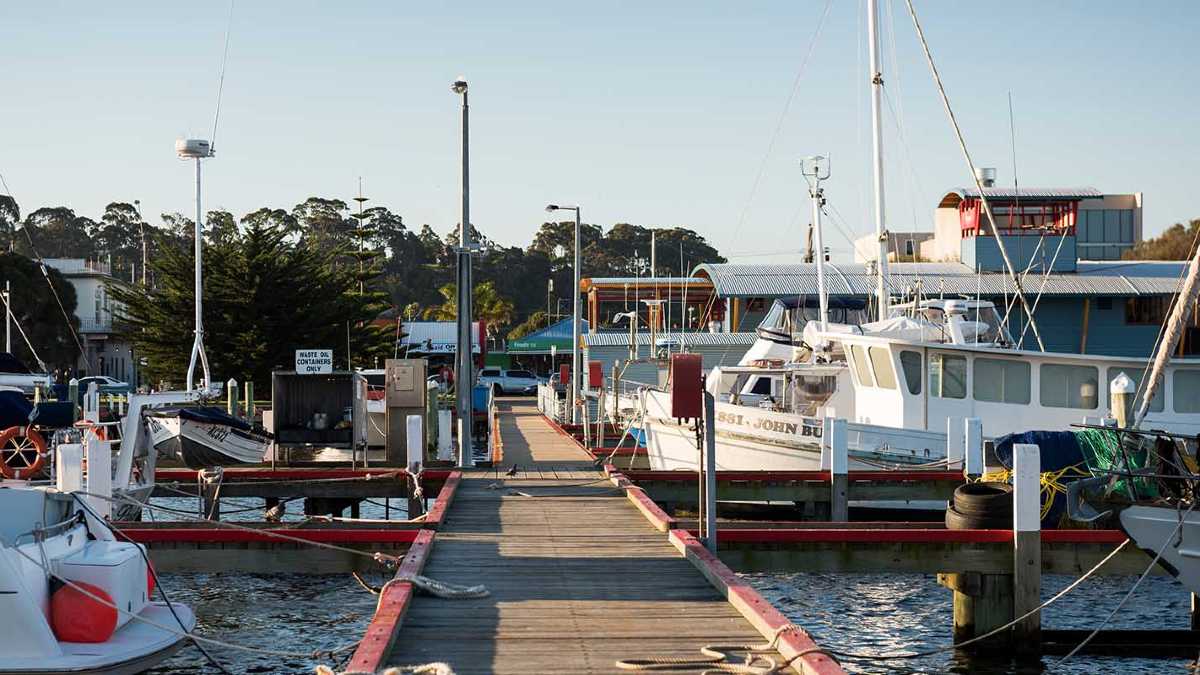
(579, 578)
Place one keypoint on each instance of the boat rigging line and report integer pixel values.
(787, 104)
(962, 144)
(1129, 594)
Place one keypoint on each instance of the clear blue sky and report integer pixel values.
(658, 114)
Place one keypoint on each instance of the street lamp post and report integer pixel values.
(575, 394)
(465, 371)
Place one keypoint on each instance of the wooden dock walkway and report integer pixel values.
(578, 577)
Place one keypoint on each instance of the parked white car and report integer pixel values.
(508, 381)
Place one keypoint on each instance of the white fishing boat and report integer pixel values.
(204, 436)
(74, 599)
(900, 380)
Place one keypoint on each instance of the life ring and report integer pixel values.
(22, 452)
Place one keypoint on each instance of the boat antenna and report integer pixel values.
(221, 75)
(816, 169)
(962, 144)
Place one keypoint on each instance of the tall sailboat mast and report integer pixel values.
(881, 293)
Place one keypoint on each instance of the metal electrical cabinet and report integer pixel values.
(404, 381)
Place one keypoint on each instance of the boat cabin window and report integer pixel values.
(1065, 386)
(861, 368)
(947, 376)
(810, 392)
(881, 363)
(1001, 381)
(1187, 391)
(762, 386)
(910, 363)
(1135, 374)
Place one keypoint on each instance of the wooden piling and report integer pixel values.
(839, 484)
(973, 437)
(1027, 548)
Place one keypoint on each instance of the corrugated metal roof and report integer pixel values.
(1031, 193)
(696, 339)
(1117, 278)
(437, 332)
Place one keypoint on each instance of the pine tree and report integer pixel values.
(265, 295)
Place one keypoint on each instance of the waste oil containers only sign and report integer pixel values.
(314, 361)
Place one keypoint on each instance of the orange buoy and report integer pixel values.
(77, 617)
(22, 452)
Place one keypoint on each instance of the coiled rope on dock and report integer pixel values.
(715, 658)
(435, 668)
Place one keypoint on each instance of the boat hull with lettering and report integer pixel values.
(203, 436)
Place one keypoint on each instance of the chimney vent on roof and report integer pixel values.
(986, 176)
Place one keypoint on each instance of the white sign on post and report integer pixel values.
(314, 361)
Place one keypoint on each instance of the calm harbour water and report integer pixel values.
(851, 612)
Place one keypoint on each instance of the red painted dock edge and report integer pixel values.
(795, 476)
(189, 475)
(215, 535)
(437, 512)
(381, 633)
(761, 614)
(657, 517)
(910, 535)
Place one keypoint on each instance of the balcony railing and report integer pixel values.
(95, 326)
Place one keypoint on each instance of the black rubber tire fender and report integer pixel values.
(984, 499)
(959, 521)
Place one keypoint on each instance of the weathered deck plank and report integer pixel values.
(578, 578)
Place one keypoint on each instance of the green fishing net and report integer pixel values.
(1106, 450)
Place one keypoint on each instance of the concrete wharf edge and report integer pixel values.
(382, 635)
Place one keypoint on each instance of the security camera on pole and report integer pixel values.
(575, 395)
(464, 370)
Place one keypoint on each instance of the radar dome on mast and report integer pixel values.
(193, 148)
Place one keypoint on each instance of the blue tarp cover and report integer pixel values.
(14, 409)
(206, 414)
(1058, 449)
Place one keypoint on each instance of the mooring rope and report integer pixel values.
(378, 556)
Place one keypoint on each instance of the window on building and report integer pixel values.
(881, 363)
(1186, 384)
(861, 368)
(99, 305)
(1147, 310)
(1064, 386)
(1104, 303)
(908, 248)
(1135, 374)
(947, 376)
(1001, 381)
(910, 363)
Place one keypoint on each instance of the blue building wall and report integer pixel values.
(982, 253)
(1060, 321)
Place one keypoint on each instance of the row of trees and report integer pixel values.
(279, 277)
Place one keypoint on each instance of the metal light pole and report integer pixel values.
(7, 316)
(575, 395)
(464, 375)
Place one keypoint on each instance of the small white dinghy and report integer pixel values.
(204, 436)
(52, 626)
